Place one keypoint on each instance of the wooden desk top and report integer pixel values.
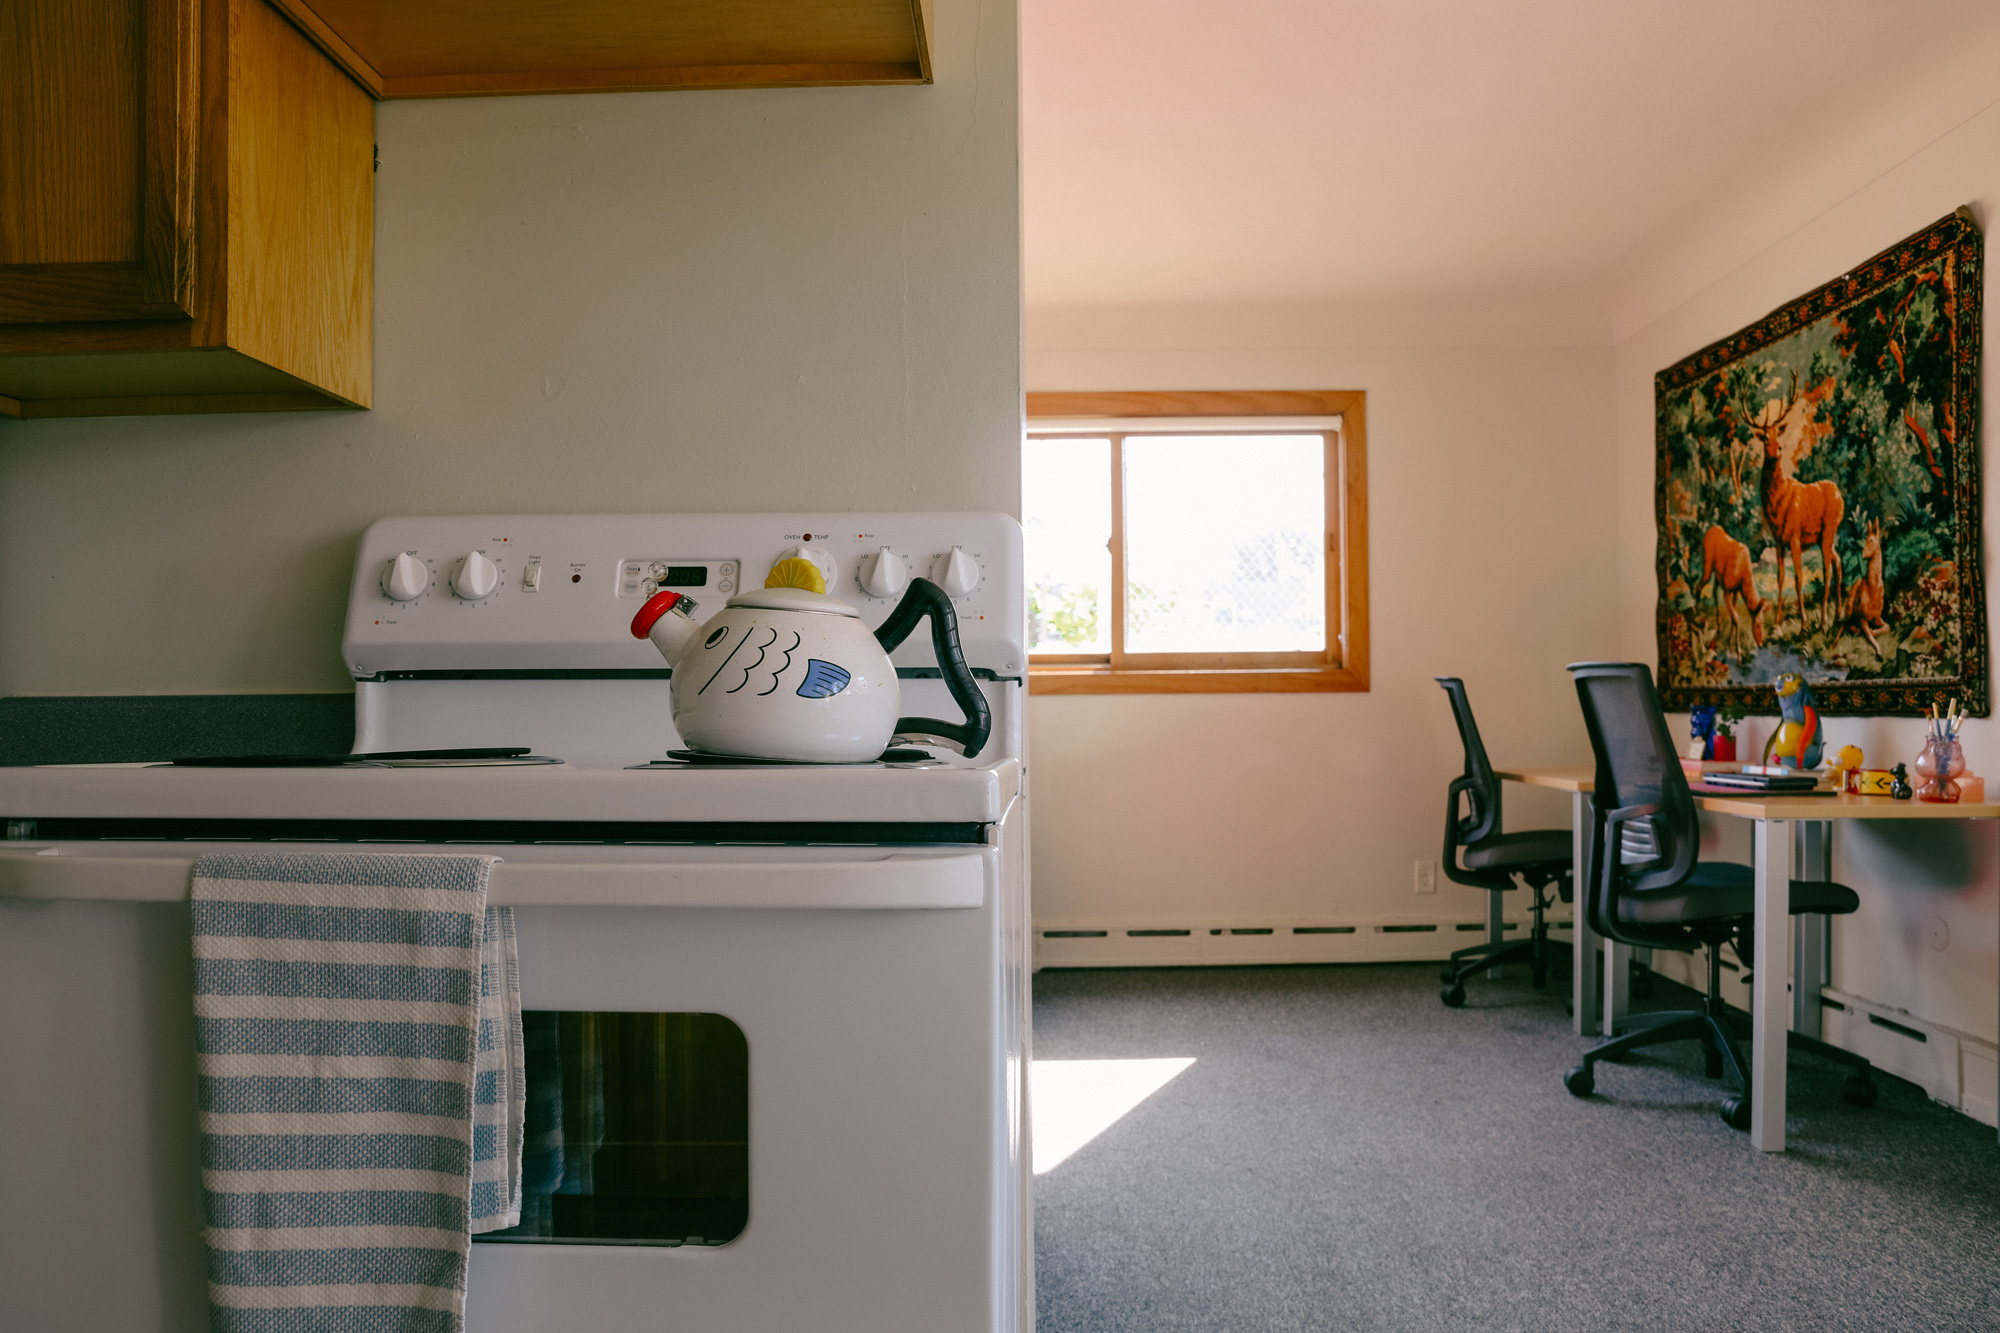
(1773, 807)
(1562, 779)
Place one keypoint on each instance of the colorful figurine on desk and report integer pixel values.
(1796, 742)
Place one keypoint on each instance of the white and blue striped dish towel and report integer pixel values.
(358, 1036)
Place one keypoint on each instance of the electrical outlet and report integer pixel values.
(1427, 877)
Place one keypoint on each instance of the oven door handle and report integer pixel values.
(957, 879)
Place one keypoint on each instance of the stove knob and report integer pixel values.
(956, 572)
(476, 577)
(883, 575)
(820, 558)
(406, 579)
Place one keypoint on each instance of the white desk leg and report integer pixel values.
(1769, 1006)
(1583, 940)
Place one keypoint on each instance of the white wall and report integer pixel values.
(621, 302)
(1491, 556)
(1911, 879)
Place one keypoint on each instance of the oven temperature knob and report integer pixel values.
(406, 579)
(477, 577)
(819, 557)
(883, 575)
(956, 572)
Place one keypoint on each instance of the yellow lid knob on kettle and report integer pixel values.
(796, 572)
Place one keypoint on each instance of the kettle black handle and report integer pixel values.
(927, 599)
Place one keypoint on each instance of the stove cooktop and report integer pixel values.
(930, 789)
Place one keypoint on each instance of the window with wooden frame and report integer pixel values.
(1196, 542)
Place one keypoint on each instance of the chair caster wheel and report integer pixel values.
(1736, 1112)
(1453, 997)
(1859, 1090)
(1580, 1081)
(1446, 973)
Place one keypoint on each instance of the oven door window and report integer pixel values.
(638, 1129)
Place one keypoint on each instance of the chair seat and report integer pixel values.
(1511, 851)
(1722, 889)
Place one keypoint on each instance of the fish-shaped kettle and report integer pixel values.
(787, 672)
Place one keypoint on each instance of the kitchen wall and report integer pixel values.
(1492, 555)
(623, 302)
(1926, 942)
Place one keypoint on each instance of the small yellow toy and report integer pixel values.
(1845, 768)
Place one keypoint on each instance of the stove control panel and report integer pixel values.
(532, 593)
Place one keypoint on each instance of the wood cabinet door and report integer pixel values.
(99, 135)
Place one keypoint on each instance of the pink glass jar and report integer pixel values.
(1940, 762)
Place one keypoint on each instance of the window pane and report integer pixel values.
(1224, 543)
(1066, 521)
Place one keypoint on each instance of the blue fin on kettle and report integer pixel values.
(823, 679)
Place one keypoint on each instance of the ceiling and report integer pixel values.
(1357, 152)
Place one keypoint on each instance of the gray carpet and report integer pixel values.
(1346, 1153)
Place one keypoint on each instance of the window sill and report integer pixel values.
(1097, 678)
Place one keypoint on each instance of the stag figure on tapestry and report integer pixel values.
(1831, 440)
(1797, 514)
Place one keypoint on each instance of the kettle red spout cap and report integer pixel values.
(656, 606)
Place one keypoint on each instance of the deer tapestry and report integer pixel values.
(1817, 494)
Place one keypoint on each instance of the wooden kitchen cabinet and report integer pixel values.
(474, 48)
(186, 211)
(187, 186)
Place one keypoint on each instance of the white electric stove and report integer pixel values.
(777, 1013)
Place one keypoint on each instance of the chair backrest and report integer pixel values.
(1637, 768)
(1481, 788)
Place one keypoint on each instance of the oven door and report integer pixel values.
(782, 1084)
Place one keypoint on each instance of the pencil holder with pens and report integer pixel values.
(1940, 762)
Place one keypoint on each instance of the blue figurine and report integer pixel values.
(1701, 725)
(1797, 742)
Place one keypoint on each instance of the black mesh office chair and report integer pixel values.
(1651, 890)
(1492, 859)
